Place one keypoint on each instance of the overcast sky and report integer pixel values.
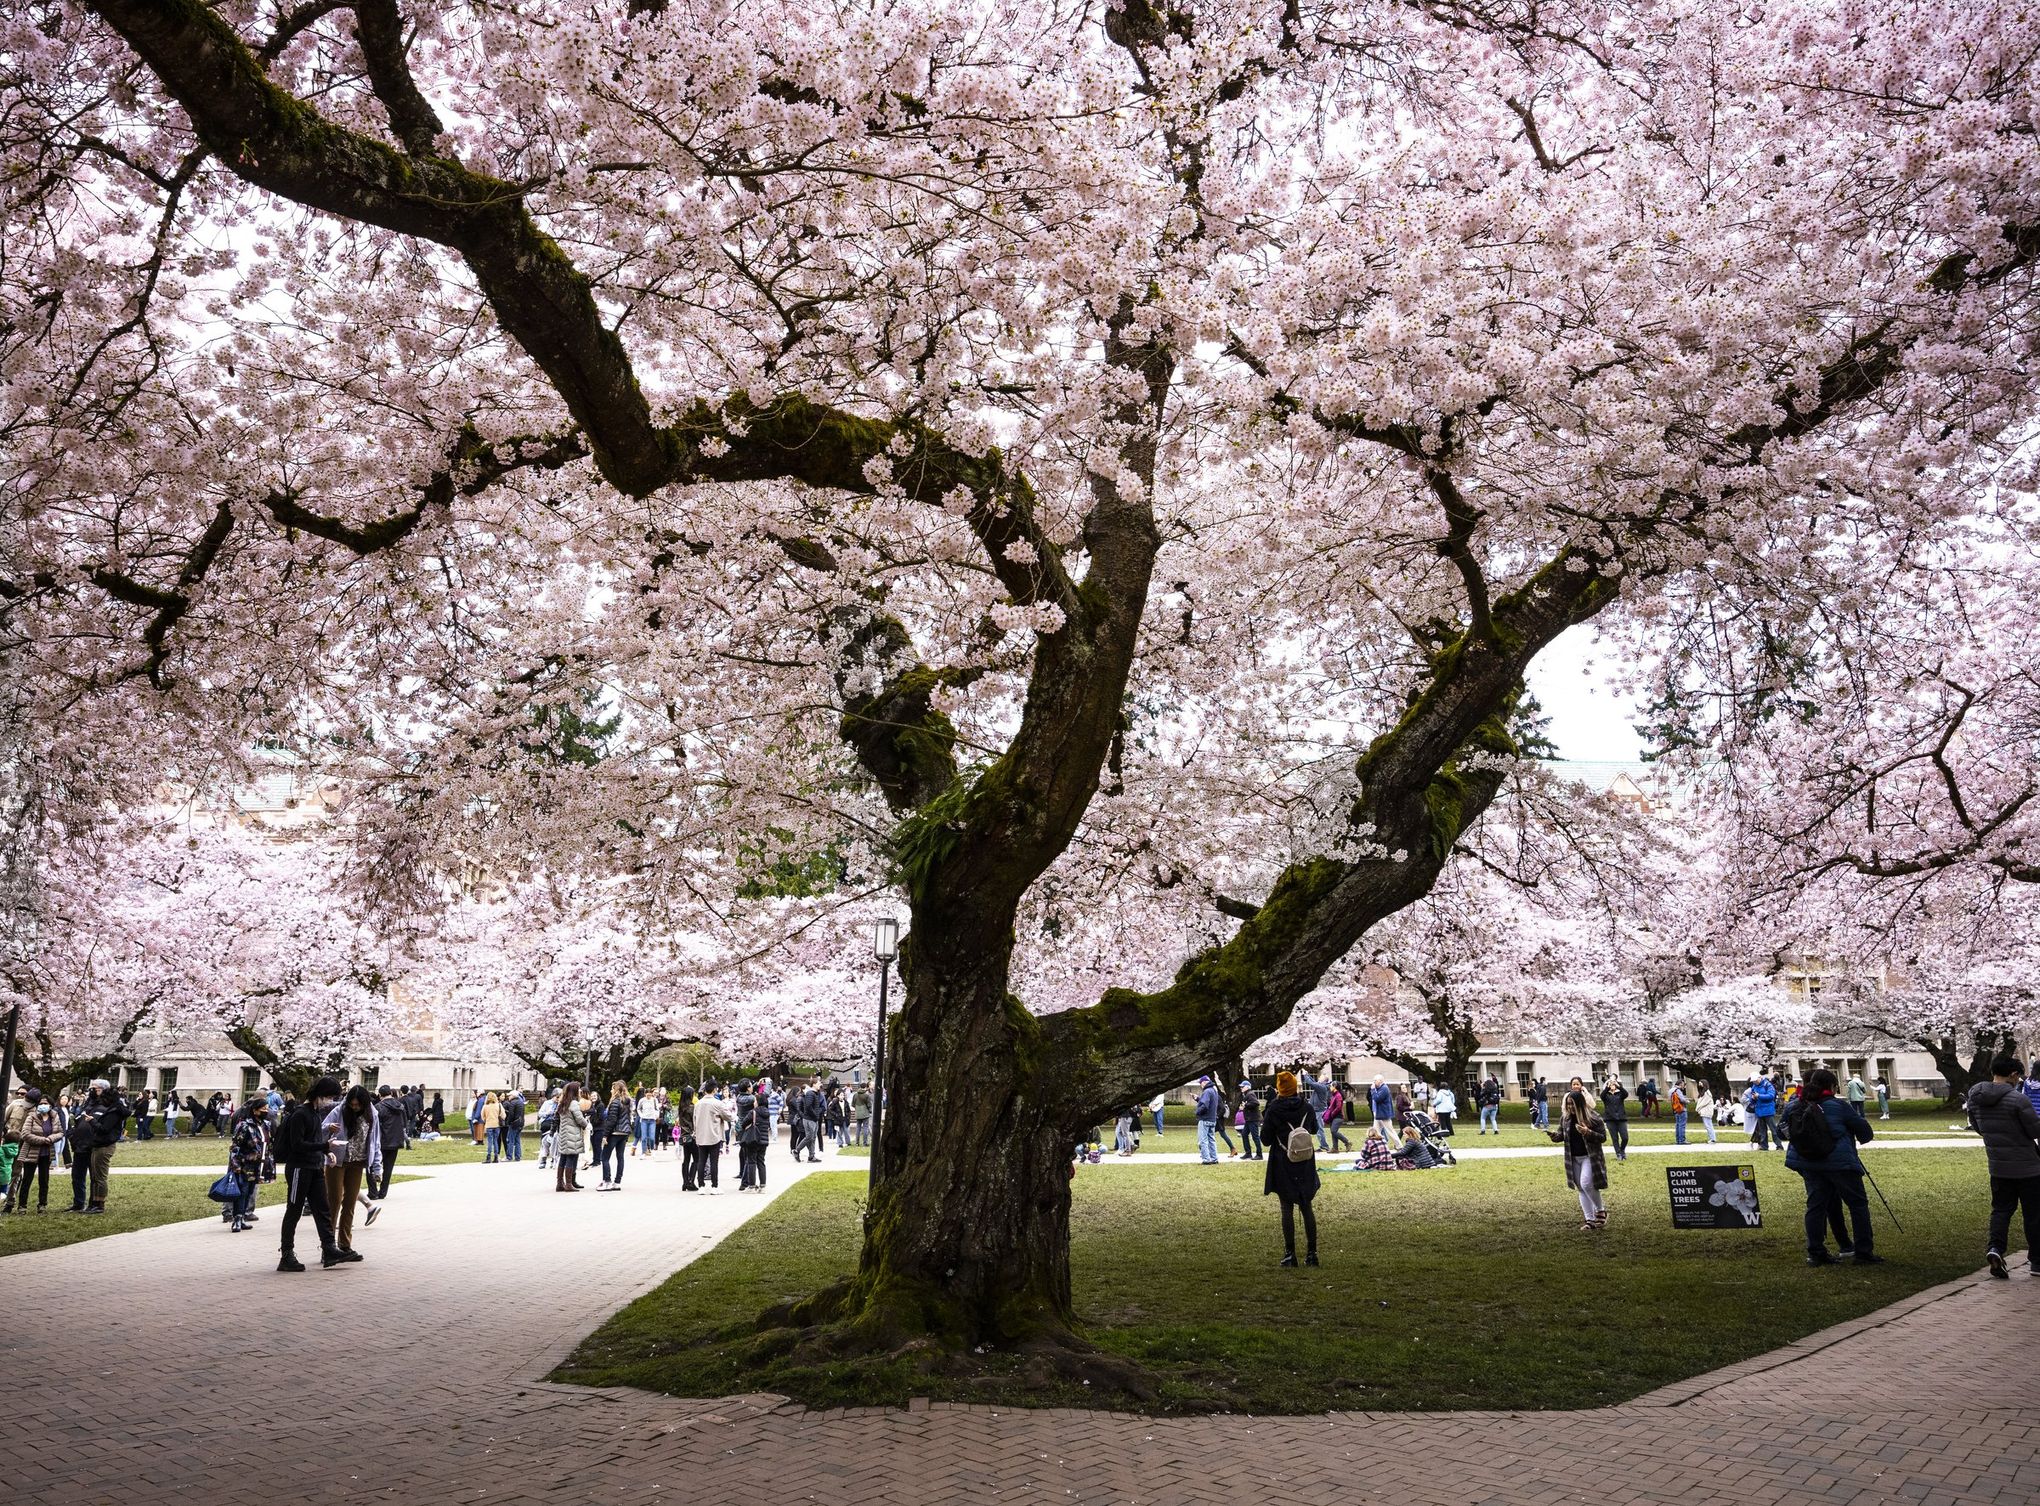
(1588, 720)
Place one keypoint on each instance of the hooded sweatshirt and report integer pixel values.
(2003, 1115)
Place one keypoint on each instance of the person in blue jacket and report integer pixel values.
(1837, 1176)
(1209, 1106)
(1381, 1103)
(1764, 1110)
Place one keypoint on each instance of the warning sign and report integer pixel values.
(1714, 1197)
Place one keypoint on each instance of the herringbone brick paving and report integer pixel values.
(174, 1363)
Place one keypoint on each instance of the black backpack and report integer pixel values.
(1812, 1135)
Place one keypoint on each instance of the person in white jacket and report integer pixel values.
(647, 1123)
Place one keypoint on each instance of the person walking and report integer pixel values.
(1381, 1103)
(1292, 1174)
(354, 1158)
(813, 1110)
(300, 1148)
(492, 1129)
(619, 1128)
(1317, 1092)
(1679, 1109)
(1583, 1132)
(1208, 1109)
(35, 1145)
(712, 1119)
(1337, 1120)
(1540, 1105)
(2003, 1115)
(1763, 1107)
(1824, 1136)
(1155, 1107)
(389, 1129)
(250, 1159)
(1250, 1121)
(1615, 1115)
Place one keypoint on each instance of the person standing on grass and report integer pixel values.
(1540, 1105)
(1381, 1103)
(2033, 1085)
(1762, 1103)
(1122, 1133)
(1615, 1116)
(1207, 1122)
(95, 1130)
(389, 1129)
(1679, 1107)
(1856, 1092)
(2003, 1115)
(436, 1115)
(1491, 1104)
(712, 1118)
(354, 1157)
(1823, 1151)
(1250, 1121)
(1318, 1093)
(860, 1114)
(1705, 1108)
(1444, 1104)
(1583, 1132)
(1295, 1182)
(301, 1149)
(35, 1144)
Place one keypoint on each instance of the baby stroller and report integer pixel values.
(1435, 1139)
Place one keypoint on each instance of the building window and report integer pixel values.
(251, 1082)
(166, 1078)
(137, 1079)
(371, 1078)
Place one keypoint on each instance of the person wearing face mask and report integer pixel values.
(300, 1148)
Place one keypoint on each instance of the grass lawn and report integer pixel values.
(1465, 1288)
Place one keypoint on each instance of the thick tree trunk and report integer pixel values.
(1713, 1073)
(1962, 1072)
(967, 1235)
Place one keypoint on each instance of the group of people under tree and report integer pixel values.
(701, 1123)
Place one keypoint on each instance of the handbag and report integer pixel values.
(228, 1189)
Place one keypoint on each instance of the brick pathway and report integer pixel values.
(415, 1376)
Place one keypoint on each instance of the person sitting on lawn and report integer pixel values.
(1413, 1154)
(1374, 1152)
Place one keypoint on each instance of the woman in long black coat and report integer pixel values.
(1295, 1182)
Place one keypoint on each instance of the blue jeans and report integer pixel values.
(1207, 1140)
(1490, 1118)
(1540, 1115)
(513, 1145)
(647, 1136)
(246, 1205)
(493, 1138)
(1158, 1121)
(1679, 1128)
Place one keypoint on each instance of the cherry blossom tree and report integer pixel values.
(1066, 466)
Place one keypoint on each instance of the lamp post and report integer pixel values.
(885, 945)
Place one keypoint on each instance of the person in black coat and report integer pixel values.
(1294, 1182)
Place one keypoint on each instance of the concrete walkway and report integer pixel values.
(175, 1364)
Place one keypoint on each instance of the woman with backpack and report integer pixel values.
(1582, 1133)
(1290, 1126)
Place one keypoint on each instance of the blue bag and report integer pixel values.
(228, 1189)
